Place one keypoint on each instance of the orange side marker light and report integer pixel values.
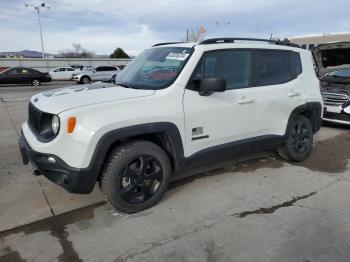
(71, 124)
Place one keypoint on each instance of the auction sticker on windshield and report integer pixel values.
(177, 56)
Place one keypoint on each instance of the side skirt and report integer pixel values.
(222, 155)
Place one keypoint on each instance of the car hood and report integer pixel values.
(58, 100)
(330, 55)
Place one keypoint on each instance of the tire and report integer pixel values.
(113, 78)
(299, 140)
(36, 82)
(85, 80)
(126, 187)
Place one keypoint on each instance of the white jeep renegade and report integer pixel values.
(176, 109)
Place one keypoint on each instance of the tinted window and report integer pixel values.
(273, 67)
(106, 68)
(232, 65)
(14, 71)
(33, 71)
(296, 63)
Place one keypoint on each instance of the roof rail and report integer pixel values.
(169, 43)
(284, 42)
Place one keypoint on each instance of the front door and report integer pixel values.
(220, 118)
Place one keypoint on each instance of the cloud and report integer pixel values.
(134, 25)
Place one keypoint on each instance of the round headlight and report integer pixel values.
(55, 124)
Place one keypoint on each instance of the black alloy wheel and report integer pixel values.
(140, 179)
(301, 137)
(135, 176)
(298, 140)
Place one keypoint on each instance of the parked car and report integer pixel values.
(100, 73)
(77, 67)
(63, 73)
(333, 68)
(226, 99)
(23, 75)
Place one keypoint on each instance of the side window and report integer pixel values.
(272, 67)
(296, 63)
(69, 69)
(13, 71)
(33, 71)
(233, 65)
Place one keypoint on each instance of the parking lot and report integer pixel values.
(258, 210)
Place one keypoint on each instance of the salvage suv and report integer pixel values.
(175, 110)
(333, 68)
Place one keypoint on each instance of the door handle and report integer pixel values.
(246, 100)
(294, 93)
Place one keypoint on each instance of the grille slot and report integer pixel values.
(333, 99)
(34, 115)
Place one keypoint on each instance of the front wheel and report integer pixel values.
(85, 80)
(113, 79)
(135, 176)
(299, 140)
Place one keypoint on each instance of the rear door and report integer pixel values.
(67, 75)
(98, 73)
(279, 89)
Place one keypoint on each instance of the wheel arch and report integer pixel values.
(85, 76)
(164, 134)
(312, 111)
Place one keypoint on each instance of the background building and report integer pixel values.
(311, 41)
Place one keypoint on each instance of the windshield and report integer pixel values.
(340, 73)
(154, 68)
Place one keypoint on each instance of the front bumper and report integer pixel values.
(74, 180)
(336, 115)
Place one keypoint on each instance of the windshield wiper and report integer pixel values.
(127, 85)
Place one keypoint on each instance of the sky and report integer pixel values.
(102, 25)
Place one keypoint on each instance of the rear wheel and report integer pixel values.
(299, 141)
(85, 80)
(135, 176)
(36, 82)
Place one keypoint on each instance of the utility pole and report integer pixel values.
(187, 35)
(37, 8)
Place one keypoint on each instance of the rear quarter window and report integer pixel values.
(273, 67)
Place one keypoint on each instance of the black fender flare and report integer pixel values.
(107, 140)
(312, 110)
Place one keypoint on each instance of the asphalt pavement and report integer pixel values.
(264, 209)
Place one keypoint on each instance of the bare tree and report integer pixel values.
(195, 35)
(76, 52)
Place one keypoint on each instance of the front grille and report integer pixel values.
(34, 115)
(333, 99)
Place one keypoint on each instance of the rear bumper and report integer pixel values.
(74, 180)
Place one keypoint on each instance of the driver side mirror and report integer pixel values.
(211, 85)
(94, 71)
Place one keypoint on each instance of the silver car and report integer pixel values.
(100, 73)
